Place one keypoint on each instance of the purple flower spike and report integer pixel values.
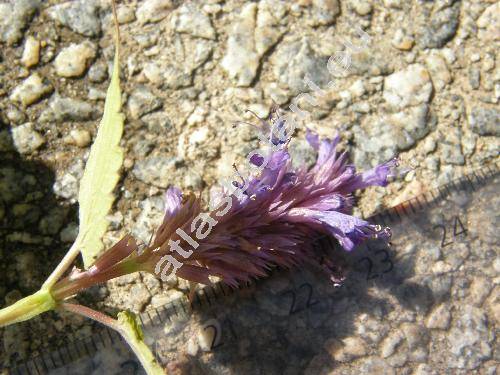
(377, 176)
(173, 200)
(270, 219)
(256, 223)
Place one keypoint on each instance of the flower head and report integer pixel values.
(271, 219)
(254, 223)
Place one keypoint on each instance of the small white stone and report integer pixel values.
(191, 20)
(449, 55)
(411, 86)
(31, 52)
(260, 110)
(26, 140)
(489, 23)
(241, 61)
(69, 233)
(276, 93)
(153, 72)
(488, 63)
(212, 8)
(31, 90)
(154, 10)
(324, 12)
(363, 107)
(439, 318)
(199, 136)
(345, 95)
(96, 94)
(475, 57)
(441, 267)
(424, 369)
(390, 343)
(402, 41)
(125, 14)
(363, 8)
(81, 137)
(469, 338)
(358, 88)
(396, 4)
(440, 74)
(410, 57)
(351, 347)
(429, 145)
(192, 347)
(73, 61)
(479, 290)
(197, 117)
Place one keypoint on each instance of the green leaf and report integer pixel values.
(101, 173)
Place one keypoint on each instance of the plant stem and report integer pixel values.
(63, 266)
(132, 333)
(27, 308)
(73, 284)
(130, 330)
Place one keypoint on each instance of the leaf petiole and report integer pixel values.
(130, 330)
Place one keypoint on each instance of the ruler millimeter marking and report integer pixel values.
(302, 297)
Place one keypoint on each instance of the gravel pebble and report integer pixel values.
(241, 61)
(347, 349)
(363, 8)
(14, 18)
(398, 131)
(74, 60)
(125, 14)
(485, 121)
(324, 12)
(31, 90)
(67, 181)
(469, 339)
(26, 139)
(80, 137)
(156, 171)
(149, 218)
(402, 41)
(439, 26)
(439, 318)
(81, 16)
(474, 77)
(438, 70)
(411, 86)
(191, 20)
(15, 116)
(98, 72)
(302, 153)
(489, 23)
(142, 101)
(293, 61)
(31, 52)
(68, 109)
(153, 10)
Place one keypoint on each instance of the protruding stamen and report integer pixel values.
(239, 174)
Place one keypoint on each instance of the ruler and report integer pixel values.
(425, 303)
